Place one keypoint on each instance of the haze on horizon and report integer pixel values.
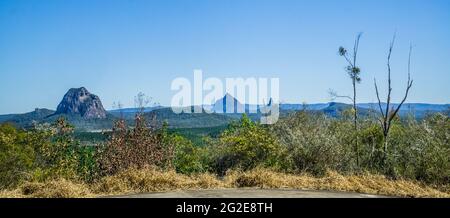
(119, 48)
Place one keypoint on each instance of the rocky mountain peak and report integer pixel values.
(228, 104)
(81, 101)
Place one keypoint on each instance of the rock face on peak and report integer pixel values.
(80, 101)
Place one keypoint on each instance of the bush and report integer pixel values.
(61, 156)
(246, 145)
(188, 157)
(17, 155)
(44, 153)
(314, 142)
(138, 147)
(421, 150)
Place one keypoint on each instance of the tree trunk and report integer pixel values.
(386, 139)
(355, 118)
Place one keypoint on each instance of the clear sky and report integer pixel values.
(119, 48)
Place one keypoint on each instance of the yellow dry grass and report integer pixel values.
(333, 181)
(152, 179)
(60, 188)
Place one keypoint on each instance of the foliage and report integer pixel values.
(17, 155)
(188, 157)
(246, 145)
(61, 156)
(45, 152)
(421, 150)
(315, 143)
(138, 147)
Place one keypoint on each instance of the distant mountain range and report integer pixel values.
(85, 111)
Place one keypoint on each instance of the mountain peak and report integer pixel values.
(81, 101)
(227, 104)
(228, 95)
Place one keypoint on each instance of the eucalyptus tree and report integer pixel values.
(354, 72)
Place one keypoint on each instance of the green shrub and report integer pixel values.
(61, 156)
(17, 156)
(188, 157)
(246, 145)
(314, 142)
(421, 150)
(42, 153)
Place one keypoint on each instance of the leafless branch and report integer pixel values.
(355, 48)
(408, 84)
(389, 114)
(333, 94)
(388, 101)
(378, 97)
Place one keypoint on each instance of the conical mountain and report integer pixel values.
(228, 104)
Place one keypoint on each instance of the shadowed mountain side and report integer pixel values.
(188, 120)
(26, 120)
(41, 116)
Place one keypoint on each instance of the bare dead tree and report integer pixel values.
(119, 106)
(387, 115)
(141, 101)
(354, 72)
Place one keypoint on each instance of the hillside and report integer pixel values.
(188, 120)
(200, 120)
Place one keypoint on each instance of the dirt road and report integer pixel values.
(250, 193)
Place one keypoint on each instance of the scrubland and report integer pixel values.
(302, 151)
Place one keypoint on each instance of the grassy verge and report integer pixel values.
(150, 180)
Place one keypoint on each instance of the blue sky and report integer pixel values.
(119, 48)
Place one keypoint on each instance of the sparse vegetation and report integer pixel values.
(304, 151)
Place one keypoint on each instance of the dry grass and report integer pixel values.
(365, 183)
(152, 179)
(52, 189)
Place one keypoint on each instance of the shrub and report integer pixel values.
(137, 147)
(246, 145)
(314, 142)
(188, 157)
(42, 153)
(61, 156)
(421, 150)
(17, 156)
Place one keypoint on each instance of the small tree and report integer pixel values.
(137, 147)
(353, 71)
(389, 113)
